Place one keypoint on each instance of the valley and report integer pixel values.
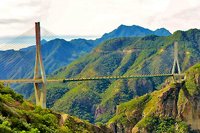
(119, 105)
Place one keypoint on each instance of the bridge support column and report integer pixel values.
(176, 71)
(39, 72)
(176, 68)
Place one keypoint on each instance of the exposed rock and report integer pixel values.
(190, 110)
(137, 130)
(167, 106)
(117, 128)
(176, 106)
(99, 110)
(130, 119)
(197, 79)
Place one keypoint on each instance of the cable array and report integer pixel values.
(14, 55)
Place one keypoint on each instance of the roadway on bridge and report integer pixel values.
(88, 78)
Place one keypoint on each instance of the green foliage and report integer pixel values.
(108, 64)
(164, 125)
(192, 79)
(77, 102)
(99, 86)
(5, 127)
(124, 111)
(20, 116)
(15, 96)
(55, 93)
(72, 125)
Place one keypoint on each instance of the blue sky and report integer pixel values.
(95, 17)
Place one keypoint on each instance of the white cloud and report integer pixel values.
(182, 17)
(99, 16)
(95, 17)
(18, 16)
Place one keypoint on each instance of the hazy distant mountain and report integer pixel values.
(134, 30)
(162, 32)
(58, 52)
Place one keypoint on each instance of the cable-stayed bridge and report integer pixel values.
(40, 81)
(88, 78)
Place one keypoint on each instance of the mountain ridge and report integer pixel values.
(113, 57)
(134, 30)
(76, 48)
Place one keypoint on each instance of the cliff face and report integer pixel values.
(174, 108)
(167, 106)
(189, 101)
(190, 112)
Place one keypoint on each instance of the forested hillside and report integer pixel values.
(97, 100)
(19, 115)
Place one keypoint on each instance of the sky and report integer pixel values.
(93, 18)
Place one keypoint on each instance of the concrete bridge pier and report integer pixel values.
(39, 72)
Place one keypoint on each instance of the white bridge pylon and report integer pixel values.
(39, 72)
(176, 66)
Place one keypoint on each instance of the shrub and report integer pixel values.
(5, 127)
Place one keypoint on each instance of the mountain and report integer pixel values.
(162, 32)
(97, 100)
(173, 108)
(133, 31)
(58, 52)
(19, 115)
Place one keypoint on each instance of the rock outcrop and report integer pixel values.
(167, 106)
(175, 107)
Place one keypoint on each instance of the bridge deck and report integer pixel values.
(88, 78)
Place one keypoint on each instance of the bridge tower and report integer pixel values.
(39, 72)
(176, 71)
(176, 67)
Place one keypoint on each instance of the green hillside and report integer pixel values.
(20, 116)
(96, 101)
(172, 109)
